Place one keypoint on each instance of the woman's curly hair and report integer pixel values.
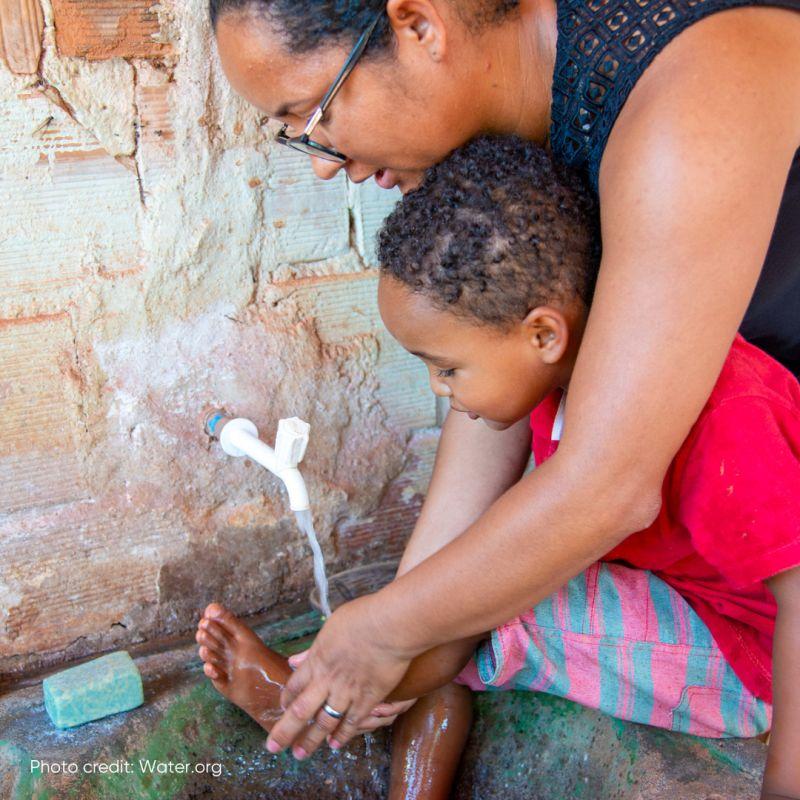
(495, 230)
(310, 24)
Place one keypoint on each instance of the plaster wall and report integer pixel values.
(159, 256)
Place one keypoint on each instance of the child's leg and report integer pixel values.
(435, 669)
(622, 641)
(427, 742)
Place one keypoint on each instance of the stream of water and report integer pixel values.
(306, 524)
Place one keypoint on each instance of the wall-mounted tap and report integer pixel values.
(239, 437)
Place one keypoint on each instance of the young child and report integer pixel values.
(487, 273)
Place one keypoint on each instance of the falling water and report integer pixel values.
(306, 524)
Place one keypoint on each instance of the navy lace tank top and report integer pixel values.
(603, 48)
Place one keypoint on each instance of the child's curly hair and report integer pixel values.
(495, 230)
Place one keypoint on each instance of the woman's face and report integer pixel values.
(393, 118)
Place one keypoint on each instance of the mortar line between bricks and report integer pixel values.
(344, 277)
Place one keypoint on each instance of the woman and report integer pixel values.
(688, 123)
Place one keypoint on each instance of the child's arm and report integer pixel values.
(474, 466)
(782, 773)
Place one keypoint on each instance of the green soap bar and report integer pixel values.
(93, 690)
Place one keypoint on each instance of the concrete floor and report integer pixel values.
(523, 747)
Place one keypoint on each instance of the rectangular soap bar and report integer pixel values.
(93, 690)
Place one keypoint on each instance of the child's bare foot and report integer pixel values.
(241, 667)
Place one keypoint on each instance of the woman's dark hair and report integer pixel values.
(310, 24)
(495, 230)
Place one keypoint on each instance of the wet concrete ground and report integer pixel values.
(522, 747)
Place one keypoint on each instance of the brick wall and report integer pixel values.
(159, 256)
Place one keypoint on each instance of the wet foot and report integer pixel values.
(241, 667)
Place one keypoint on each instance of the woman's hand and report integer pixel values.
(352, 667)
(382, 716)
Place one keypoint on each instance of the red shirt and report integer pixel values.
(730, 512)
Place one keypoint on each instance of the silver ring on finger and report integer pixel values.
(332, 712)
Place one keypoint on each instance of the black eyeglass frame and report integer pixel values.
(304, 143)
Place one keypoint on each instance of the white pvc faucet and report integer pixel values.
(239, 437)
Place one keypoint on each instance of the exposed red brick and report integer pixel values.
(19, 322)
(383, 535)
(100, 29)
(21, 26)
(154, 112)
(156, 134)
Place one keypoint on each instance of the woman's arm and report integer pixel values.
(474, 465)
(782, 773)
(690, 187)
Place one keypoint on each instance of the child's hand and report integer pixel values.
(393, 709)
(384, 715)
(298, 658)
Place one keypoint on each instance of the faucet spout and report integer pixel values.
(296, 489)
(239, 437)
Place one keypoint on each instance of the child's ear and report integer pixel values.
(547, 332)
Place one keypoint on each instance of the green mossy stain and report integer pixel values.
(682, 745)
(726, 760)
(628, 736)
(186, 734)
(293, 646)
(525, 739)
(30, 783)
(510, 723)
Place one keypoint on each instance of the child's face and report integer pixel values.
(496, 375)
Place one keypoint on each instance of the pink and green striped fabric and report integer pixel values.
(622, 641)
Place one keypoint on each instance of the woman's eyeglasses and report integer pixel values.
(304, 143)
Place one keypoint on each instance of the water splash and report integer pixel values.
(269, 715)
(306, 524)
(374, 775)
